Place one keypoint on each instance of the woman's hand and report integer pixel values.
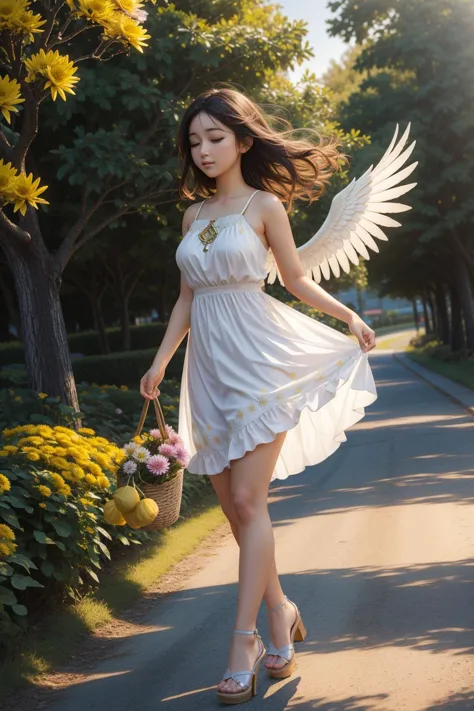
(364, 334)
(150, 381)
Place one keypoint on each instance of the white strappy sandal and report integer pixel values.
(287, 652)
(247, 680)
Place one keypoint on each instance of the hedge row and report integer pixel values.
(87, 342)
(122, 368)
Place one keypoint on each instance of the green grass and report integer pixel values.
(461, 371)
(56, 636)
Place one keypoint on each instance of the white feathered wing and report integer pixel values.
(356, 215)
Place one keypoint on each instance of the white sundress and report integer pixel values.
(254, 366)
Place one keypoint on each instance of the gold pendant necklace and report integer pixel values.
(208, 235)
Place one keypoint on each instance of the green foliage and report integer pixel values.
(417, 60)
(87, 342)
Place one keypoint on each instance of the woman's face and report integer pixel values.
(214, 147)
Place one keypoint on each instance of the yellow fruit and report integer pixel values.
(126, 498)
(132, 520)
(146, 511)
(112, 514)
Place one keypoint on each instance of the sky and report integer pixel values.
(315, 13)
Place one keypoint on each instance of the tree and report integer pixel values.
(419, 62)
(119, 158)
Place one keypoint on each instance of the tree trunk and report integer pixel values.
(458, 341)
(125, 322)
(464, 291)
(99, 321)
(433, 311)
(442, 318)
(416, 317)
(426, 315)
(12, 310)
(48, 363)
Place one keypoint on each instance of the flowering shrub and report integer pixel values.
(152, 459)
(53, 484)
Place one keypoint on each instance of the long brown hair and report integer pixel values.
(277, 162)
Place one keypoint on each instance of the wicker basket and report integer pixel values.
(168, 495)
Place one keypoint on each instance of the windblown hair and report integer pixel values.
(277, 162)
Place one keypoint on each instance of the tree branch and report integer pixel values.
(13, 229)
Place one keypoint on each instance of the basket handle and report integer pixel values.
(159, 417)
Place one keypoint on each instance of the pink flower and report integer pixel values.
(184, 460)
(155, 434)
(173, 436)
(157, 464)
(168, 450)
(180, 450)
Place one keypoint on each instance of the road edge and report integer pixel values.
(456, 392)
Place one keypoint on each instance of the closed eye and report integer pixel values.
(215, 140)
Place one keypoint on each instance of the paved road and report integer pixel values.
(376, 546)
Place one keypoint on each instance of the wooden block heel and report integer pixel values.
(287, 653)
(248, 679)
(300, 633)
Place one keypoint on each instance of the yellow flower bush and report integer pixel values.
(73, 459)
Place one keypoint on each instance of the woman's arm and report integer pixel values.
(280, 238)
(177, 328)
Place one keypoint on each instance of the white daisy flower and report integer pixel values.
(141, 454)
(130, 467)
(130, 448)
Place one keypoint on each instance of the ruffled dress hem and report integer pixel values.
(340, 395)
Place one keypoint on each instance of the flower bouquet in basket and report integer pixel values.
(152, 467)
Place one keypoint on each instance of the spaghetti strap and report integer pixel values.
(200, 208)
(248, 201)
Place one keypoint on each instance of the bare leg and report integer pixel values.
(279, 622)
(273, 594)
(250, 477)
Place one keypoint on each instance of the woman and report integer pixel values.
(266, 390)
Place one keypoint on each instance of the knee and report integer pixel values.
(229, 513)
(244, 507)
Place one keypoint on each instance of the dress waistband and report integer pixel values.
(242, 286)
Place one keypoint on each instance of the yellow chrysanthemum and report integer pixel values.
(45, 490)
(30, 23)
(10, 448)
(4, 484)
(95, 469)
(60, 451)
(77, 472)
(8, 179)
(126, 28)
(27, 192)
(11, 12)
(42, 396)
(6, 533)
(57, 480)
(7, 549)
(65, 490)
(33, 456)
(62, 430)
(89, 529)
(97, 10)
(34, 439)
(9, 96)
(103, 482)
(48, 449)
(91, 480)
(56, 68)
(86, 430)
(43, 506)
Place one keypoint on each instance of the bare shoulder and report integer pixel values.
(189, 216)
(270, 205)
